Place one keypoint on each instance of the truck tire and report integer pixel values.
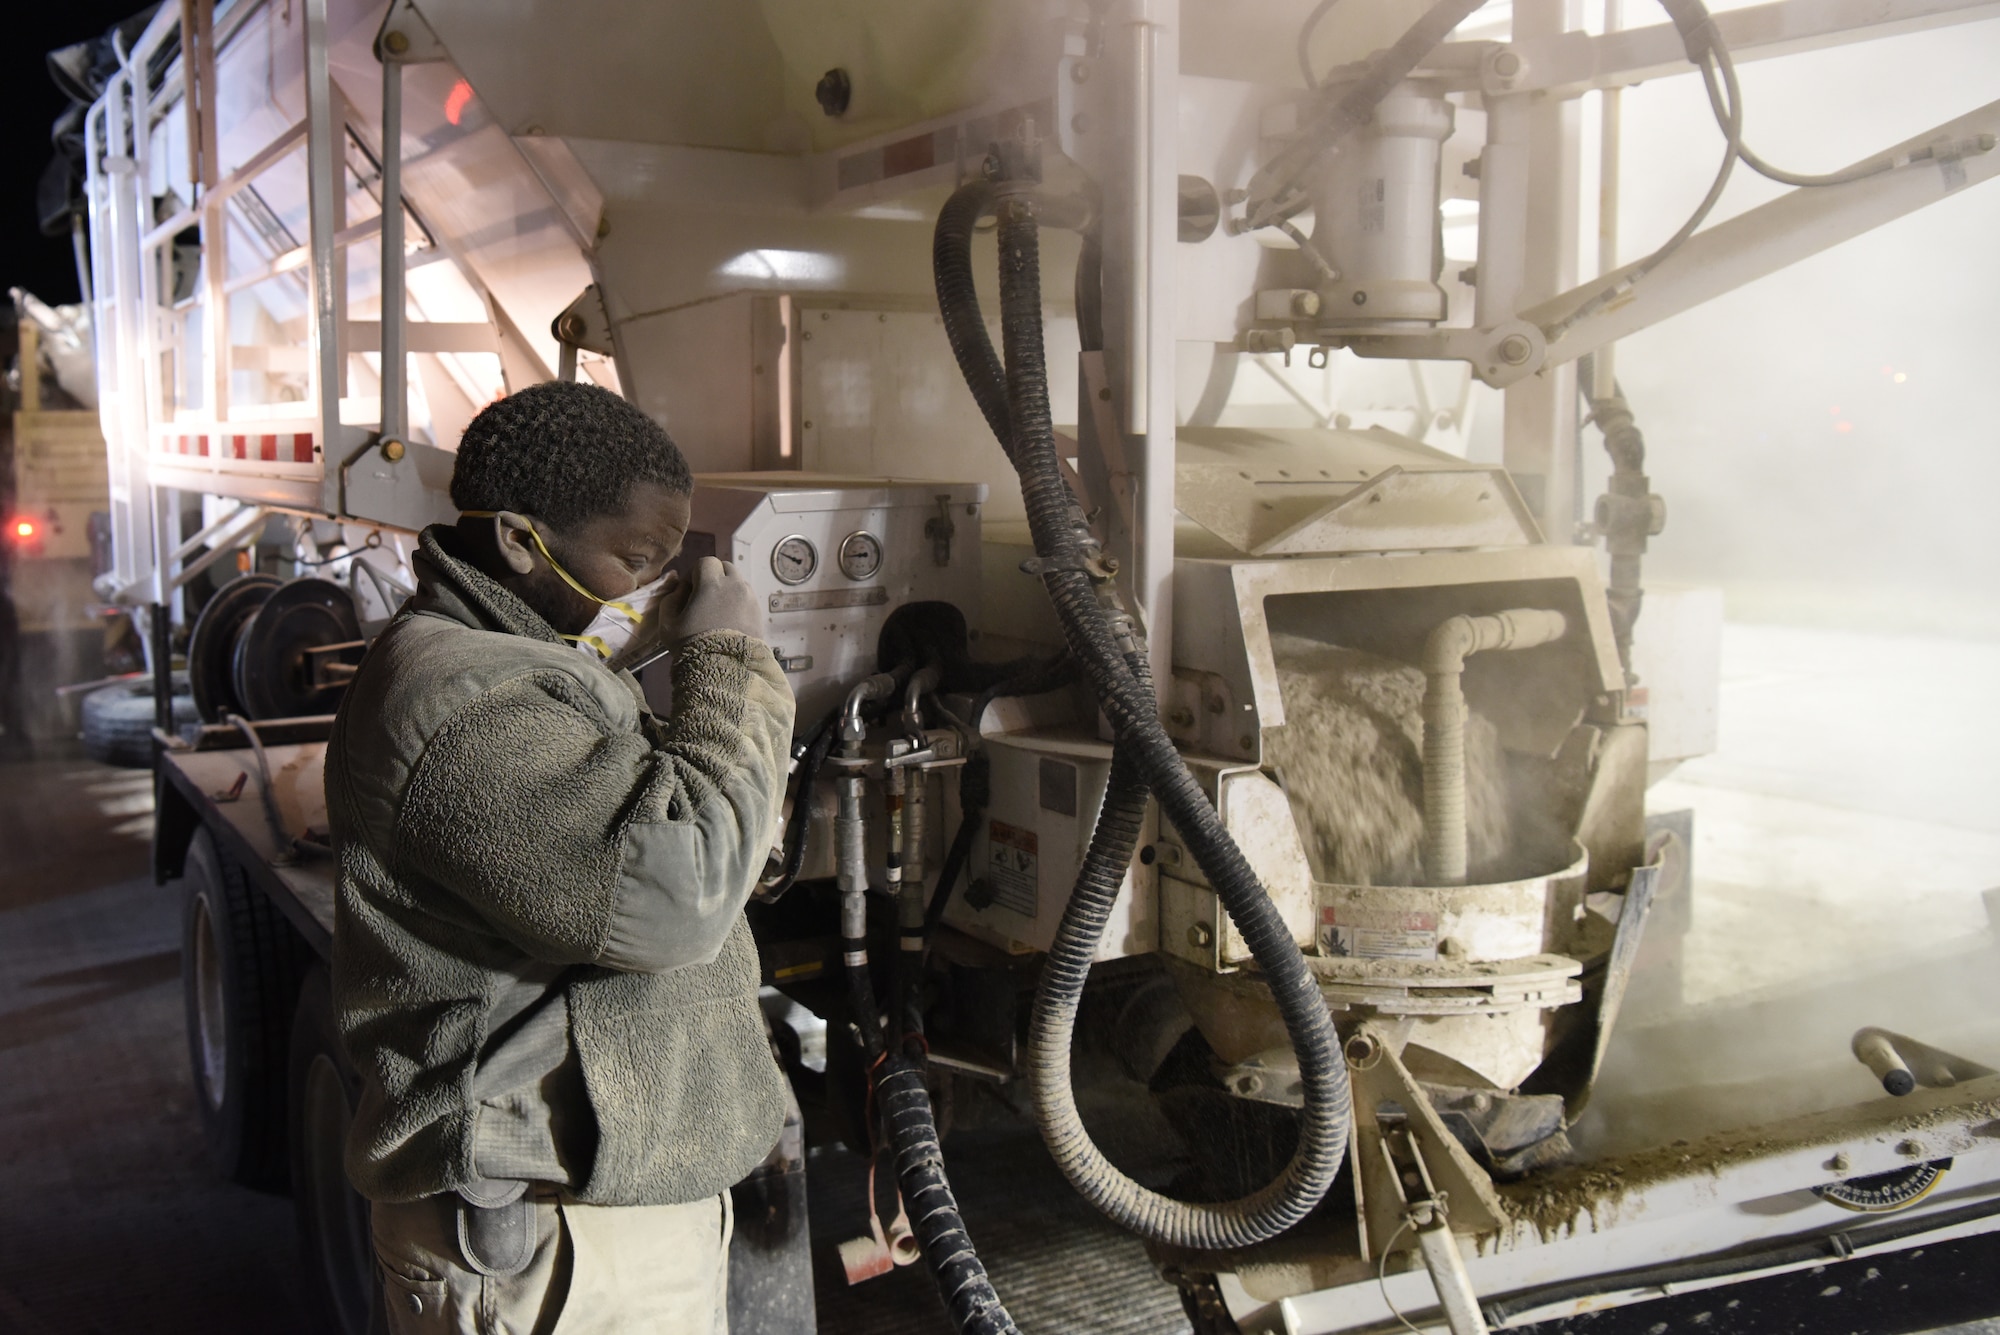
(240, 967)
(343, 1284)
(118, 722)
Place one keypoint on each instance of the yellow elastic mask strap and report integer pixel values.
(564, 575)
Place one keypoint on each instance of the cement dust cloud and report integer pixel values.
(1350, 758)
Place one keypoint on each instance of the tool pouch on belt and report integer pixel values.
(496, 1227)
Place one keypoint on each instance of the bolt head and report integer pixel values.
(1201, 936)
(1840, 1163)
(392, 449)
(1507, 64)
(1910, 1149)
(572, 327)
(1305, 303)
(1080, 72)
(396, 43)
(1515, 349)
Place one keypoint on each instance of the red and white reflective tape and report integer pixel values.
(287, 447)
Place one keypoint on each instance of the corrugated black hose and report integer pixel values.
(1061, 536)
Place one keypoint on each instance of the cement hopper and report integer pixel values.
(1444, 773)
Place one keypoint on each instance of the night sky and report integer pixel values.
(30, 103)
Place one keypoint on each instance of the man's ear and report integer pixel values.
(513, 538)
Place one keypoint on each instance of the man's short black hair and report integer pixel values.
(565, 452)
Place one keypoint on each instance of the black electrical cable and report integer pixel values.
(810, 751)
(1061, 538)
(975, 779)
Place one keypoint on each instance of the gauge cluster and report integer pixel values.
(833, 559)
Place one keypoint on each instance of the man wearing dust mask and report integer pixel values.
(541, 966)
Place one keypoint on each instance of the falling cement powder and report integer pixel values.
(1350, 756)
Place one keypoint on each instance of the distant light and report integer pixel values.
(893, 213)
(1843, 427)
(455, 101)
(786, 266)
(24, 529)
(1900, 377)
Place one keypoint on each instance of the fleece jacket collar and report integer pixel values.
(452, 587)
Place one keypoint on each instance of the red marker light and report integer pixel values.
(24, 529)
(456, 99)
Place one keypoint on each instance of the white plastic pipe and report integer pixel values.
(1445, 652)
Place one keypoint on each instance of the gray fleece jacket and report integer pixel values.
(505, 810)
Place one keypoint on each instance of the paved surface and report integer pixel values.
(1851, 811)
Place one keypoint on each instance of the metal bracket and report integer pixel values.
(1502, 355)
(1381, 1080)
(406, 39)
(940, 530)
(582, 324)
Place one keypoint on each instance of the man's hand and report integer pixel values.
(722, 600)
(660, 631)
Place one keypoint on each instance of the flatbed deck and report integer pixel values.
(299, 881)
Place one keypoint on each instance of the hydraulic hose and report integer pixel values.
(962, 1281)
(975, 781)
(1064, 551)
(1628, 513)
(810, 751)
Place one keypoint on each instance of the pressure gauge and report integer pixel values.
(794, 559)
(860, 556)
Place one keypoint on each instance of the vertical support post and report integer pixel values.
(395, 362)
(198, 89)
(1503, 211)
(323, 194)
(120, 392)
(30, 360)
(160, 645)
(1604, 375)
(1142, 229)
(1540, 418)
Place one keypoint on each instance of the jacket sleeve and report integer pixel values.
(580, 843)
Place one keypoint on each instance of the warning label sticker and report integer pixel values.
(1011, 867)
(1377, 934)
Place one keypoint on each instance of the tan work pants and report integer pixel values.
(596, 1270)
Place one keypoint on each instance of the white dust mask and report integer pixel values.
(617, 620)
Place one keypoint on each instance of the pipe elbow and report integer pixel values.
(1446, 649)
(877, 687)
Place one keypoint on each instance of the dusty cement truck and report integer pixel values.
(1294, 757)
